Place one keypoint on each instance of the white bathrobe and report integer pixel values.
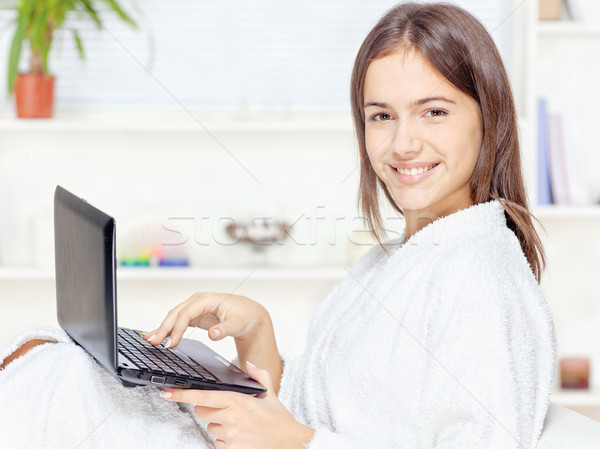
(447, 342)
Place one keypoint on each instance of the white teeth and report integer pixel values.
(414, 171)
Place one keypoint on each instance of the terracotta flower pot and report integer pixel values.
(34, 95)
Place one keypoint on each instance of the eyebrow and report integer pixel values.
(418, 102)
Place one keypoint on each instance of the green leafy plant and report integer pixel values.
(36, 22)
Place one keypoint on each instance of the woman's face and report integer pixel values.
(423, 135)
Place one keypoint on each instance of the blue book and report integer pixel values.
(544, 191)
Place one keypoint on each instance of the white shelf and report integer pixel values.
(568, 28)
(577, 398)
(226, 274)
(166, 120)
(554, 211)
(330, 274)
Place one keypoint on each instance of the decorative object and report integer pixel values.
(259, 233)
(36, 23)
(574, 373)
(151, 244)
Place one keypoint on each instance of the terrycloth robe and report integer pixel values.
(445, 342)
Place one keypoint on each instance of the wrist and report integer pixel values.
(304, 434)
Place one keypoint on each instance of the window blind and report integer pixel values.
(255, 54)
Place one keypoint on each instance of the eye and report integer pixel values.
(381, 117)
(435, 113)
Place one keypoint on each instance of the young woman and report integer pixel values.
(439, 339)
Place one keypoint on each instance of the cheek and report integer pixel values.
(376, 167)
(378, 140)
(373, 145)
(461, 149)
(370, 142)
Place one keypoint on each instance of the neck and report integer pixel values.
(417, 219)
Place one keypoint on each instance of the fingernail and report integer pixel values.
(165, 394)
(168, 342)
(152, 337)
(216, 333)
(251, 364)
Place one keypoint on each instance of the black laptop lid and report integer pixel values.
(84, 247)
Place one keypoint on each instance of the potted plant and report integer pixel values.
(36, 22)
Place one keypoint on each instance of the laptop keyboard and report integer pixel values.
(158, 359)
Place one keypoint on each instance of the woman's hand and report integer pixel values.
(221, 314)
(243, 421)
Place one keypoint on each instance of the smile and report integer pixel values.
(415, 170)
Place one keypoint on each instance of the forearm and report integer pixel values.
(260, 349)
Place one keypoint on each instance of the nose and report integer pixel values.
(407, 138)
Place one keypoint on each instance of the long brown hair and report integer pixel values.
(457, 45)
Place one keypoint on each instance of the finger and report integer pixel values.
(208, 320)
(221, 328)
(157, 336)
(199, 308)
(177, 321)
(215, 430)
(208, 413)
(227, 325)
(262, 376)
(148, 334)
(214, 321)
(179, 327)
(218, 332)
(206, 398)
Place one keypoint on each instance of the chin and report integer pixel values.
(413, 203)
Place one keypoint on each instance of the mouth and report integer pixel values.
(414, 174)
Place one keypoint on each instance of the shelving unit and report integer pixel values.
(573, 232)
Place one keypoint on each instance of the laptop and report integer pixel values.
(86, 300)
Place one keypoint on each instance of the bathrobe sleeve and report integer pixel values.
(490, 352)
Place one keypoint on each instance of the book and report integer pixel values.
(544, 191)
(573, 9)
(577, 193)
(556, 159)
(566, 177)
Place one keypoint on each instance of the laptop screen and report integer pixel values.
(84, 247)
